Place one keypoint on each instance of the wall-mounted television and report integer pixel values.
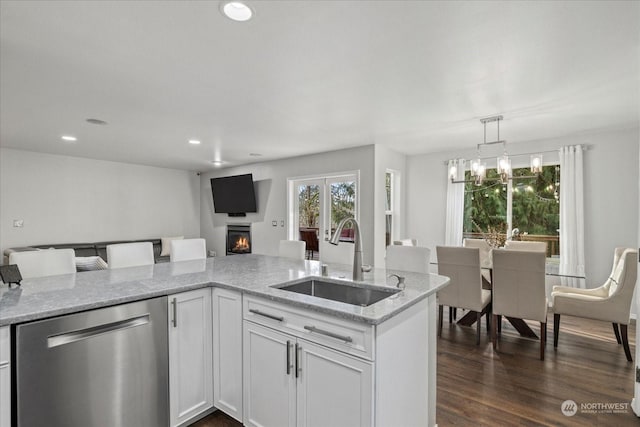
(233, 195)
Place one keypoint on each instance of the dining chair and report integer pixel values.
(610, 302)
(310, 238)
(406, 242)
(519, 290)
(517, 245)
(47, 262)
(408, 258)
(122, 255)
(485, 258)
(462, 266)
(292, 249)
(187, 250)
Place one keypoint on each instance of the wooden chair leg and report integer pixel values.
(440, 313)
(617, 332)
(450, 314)
(625, 342)
(499, 324)
(455, 313)
(487, 318)
(543, 338)
(494, 322)
(478, 326)
(556, 329)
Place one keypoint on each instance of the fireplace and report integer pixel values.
(238, 239)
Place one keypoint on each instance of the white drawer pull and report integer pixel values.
(328, 333)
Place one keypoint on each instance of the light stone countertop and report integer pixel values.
(44, 297)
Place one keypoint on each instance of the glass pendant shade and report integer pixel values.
(536, 163)
(481, 172)
(475, 164)
(453, 172)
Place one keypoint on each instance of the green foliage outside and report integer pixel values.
(342, 203)
(535, 207)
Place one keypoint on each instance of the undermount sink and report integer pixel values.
(341, 292)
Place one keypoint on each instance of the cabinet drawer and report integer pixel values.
(340, 334)
(5, 344)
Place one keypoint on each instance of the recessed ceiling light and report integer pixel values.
(96, 122)
(217, 162)
(194, 141)
(237, 11)
(69, 138)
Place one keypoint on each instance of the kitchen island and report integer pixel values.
(394, 338)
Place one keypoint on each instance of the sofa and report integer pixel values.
(84, 250)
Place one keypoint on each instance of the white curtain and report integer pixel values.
(455, 205)
(571, 212)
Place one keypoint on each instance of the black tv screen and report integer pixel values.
(233, 194)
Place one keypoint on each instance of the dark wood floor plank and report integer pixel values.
(513, 387)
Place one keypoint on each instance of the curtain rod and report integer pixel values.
(557, 151)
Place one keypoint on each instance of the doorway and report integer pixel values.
(316, 205)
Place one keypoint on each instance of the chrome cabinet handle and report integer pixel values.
(298, 368)
(83, 334)
(4, 364)
(328, 333)
(288, 357)
(174, 304)
(270, 316)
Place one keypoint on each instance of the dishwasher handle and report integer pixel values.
(83, 334)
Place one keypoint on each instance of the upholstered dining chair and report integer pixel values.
(516, 245)
(519, 290)
(47, 262)
(122, 255)
(408, 258)
(485, 258)
(611, 302)
(292, 249)
(187, 250)
(406, 242)
(462, 266)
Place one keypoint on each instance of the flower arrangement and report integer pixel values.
(494, 236)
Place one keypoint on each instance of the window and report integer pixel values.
(389, 190)
(526, 209)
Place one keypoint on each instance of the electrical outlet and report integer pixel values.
(18, 223)
(282, 223)
(212, 253)
(274, 223)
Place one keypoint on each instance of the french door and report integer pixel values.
(315, 207)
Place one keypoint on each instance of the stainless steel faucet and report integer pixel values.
(358, 268)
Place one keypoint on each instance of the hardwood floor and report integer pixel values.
(480, 387)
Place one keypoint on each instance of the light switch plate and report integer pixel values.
(274, 223)
(18, 223)
(282, 223)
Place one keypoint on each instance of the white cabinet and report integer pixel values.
(227, 352)
(291, 381)
(190, 355)
(5, 377)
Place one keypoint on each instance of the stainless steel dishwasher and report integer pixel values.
(104, 367)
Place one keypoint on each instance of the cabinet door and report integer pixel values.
(334, 389)
(190, 355)
(227, 352)
(269, 377)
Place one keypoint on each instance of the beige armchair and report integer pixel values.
(611, 302)
(519, 290)
(462, 266)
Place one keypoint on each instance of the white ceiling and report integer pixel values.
(309, 76)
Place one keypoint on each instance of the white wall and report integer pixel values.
(271, 193)
(611, 194)
(71, 200)
(386, 158)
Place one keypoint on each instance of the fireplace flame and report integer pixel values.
(242, 244)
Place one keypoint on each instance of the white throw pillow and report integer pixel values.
(89, 263)
(166, 244)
